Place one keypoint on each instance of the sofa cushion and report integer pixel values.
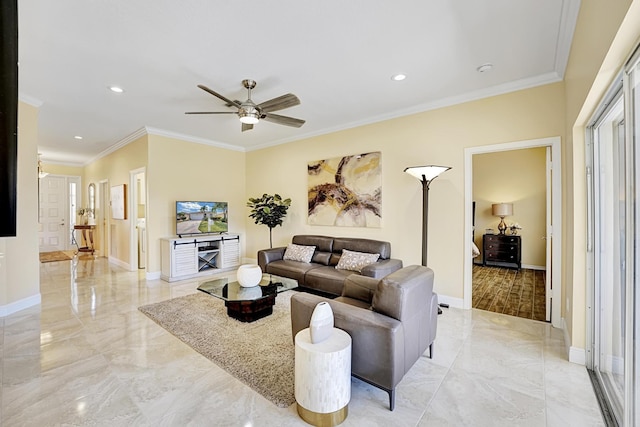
(321, 257)
(355, 261)
(299, 253)
(326, 279)
(362, 245)
(322, 243)
(293, 269)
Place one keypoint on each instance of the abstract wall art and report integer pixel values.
(346, 191)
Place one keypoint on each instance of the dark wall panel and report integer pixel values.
(8, 116)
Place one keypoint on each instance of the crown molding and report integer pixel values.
(27, 99)
(522, 84)
(568, 22)
(190, 138)
(118, 145)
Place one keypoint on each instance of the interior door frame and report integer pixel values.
(554, 222)
(103, 219)
(133, 210)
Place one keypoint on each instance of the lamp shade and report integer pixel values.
(427, 173)
(502, 209)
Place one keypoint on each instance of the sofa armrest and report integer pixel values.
(382, 268)
(265, 256)
(360, 287)
(378, 345)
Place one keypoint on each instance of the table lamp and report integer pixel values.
(502, 210)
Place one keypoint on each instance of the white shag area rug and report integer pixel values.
(260, 353)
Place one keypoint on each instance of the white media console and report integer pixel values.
(187, 257)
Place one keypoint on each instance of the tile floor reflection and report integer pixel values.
(86, 356)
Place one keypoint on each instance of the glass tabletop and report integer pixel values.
(232, 291)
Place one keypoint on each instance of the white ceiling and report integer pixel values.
(337, 56)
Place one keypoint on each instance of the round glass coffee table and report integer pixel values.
(248, 304)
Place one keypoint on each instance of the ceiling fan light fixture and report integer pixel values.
(249, 115)
(249, 118)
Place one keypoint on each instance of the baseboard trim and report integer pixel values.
(20, 305)
(120, 263)
(452, 301)
(534, 267)
(575, 355)
(152, 275)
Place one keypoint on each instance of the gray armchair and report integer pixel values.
(392, 321)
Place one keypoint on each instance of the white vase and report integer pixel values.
(249, 275)
(321, 324)
(91, 221)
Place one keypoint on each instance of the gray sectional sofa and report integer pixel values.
(321, 274)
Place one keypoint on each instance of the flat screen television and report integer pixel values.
(201, 217)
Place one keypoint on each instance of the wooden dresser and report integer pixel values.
(501, 250)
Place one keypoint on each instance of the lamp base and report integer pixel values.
(502, 227)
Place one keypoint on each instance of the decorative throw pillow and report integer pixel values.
(355, 261)
(299, 253)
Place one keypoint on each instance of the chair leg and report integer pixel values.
(392, 399)
(431, 351)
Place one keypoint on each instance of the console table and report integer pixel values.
(501, 250)
(87, 238)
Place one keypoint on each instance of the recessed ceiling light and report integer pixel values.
(398, 77)
(484, 68)
(77, 137)
(116, 89)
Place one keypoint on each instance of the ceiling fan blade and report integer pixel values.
(211, 112)
(283, 120)
(217, 95)
(246, 126)
(279, 103)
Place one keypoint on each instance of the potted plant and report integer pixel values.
(268, 210)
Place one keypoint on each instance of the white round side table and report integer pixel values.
(323, 378)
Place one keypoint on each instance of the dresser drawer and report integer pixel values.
(501, 250)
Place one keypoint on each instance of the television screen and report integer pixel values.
(201, 217)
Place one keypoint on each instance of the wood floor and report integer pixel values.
(518, 293)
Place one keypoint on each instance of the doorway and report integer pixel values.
(59, 199)
(509, 272)
(138, 243)
(552, 232)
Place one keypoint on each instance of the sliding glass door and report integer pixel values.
(614, 232)
(610, 255)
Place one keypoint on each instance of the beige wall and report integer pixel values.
(19, 277)
(56, 169)
(115, 168)
(434, 137)
(605, 36)
(180, 170)
(518, 177)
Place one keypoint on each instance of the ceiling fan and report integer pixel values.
(251, 113)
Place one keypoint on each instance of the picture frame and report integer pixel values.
(119, 201)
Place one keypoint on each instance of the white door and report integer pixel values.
(54, 222)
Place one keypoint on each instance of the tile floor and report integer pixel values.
(88, 357)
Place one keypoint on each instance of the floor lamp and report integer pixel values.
(425, 174)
